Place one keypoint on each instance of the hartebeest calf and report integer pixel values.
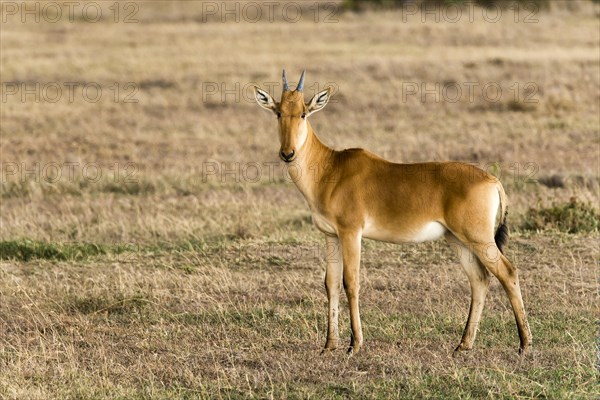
(354, 194)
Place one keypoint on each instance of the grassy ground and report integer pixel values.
(169, 277)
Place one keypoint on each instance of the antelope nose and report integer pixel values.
(287, 157)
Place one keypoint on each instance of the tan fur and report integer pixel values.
(354, 194)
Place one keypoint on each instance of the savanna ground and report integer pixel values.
(167, 277)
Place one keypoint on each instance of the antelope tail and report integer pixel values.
(501, 236)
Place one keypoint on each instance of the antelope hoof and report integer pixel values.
(524, 349)
(352, 350)
(326, 351)
(329, 347)
(461, 347)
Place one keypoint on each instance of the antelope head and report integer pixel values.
(292, 113)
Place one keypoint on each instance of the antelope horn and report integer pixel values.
(301, 82)
(285, 82)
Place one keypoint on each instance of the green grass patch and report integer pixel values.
(359, 5)
(111, 304)
(26, 249)
(571, 217)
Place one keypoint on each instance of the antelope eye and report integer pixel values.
(278, 115)
(303, 115)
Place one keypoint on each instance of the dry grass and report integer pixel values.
(190, 287)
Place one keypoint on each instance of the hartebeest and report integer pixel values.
(354, 194)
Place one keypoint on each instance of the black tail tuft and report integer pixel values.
(501, 237)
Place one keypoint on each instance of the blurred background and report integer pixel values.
(136, 165)
(154, 100)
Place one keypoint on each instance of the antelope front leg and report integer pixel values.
(350, 243)
(333, 283)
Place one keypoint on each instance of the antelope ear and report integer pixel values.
(319, 101)
(264, 99)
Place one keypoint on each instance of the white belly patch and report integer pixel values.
(431, 231)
